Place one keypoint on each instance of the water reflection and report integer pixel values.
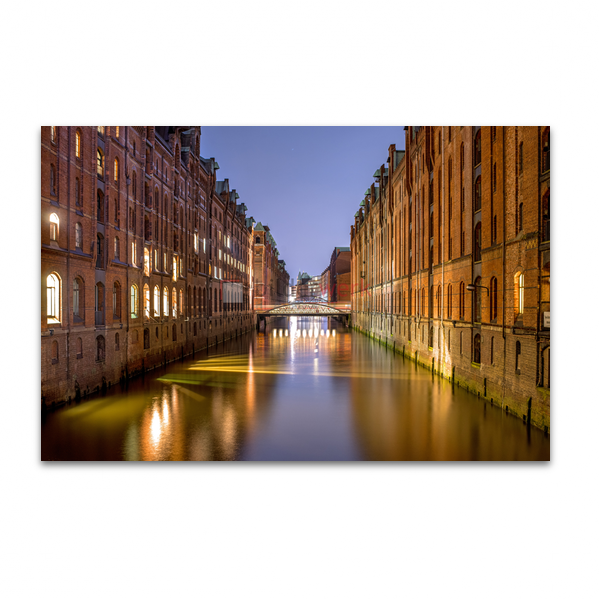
(307, 389)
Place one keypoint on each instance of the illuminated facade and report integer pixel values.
(271, 279)
(450, 260)
(146, 257)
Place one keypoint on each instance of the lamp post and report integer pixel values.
(472, 287)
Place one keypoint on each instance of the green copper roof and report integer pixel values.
(362, 203)
(377, 173)
(367, 192)
(356, 214)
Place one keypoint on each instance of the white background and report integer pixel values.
(302, 530)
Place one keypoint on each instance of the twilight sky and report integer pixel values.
(306, 183)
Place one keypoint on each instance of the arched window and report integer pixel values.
(100, 163)
(449, 302)
(54, 352)
(476, 349)
(54, 223)
(134, 300)
(116, 300)
(477, 243)
(78, 144)
(79, 347)
(174, 302)
(545, 216)
(518, 294)
(78, 235)
(53, 298)
(156, 301)
(493, 296)
(146, 338)
(146, 301)
(116, 170)
(52, 179)
(462, 300)
(78, 299)
(545, 151)
(99, 303)
(165, 301)
(100, 349)
(181, 302)
(477, 194)
(477, 300)
(518, 353)
(117, 249)
(477, 148)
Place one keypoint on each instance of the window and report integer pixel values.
(492, 356)
(100, 255)
(477, 148)
(147, 265)
(134, 300)
(101, 130)
(99, 303)
(79, 348)
(156, 301)
(165, 301)
(545, 148)
(518, 354)
(54, 352)
(53, 134)
(117, 249)
(146, 301)
(100, 206)
(174, 302)
(116, 300)
(78, 235)
(493, 295)
(521, 157)
(116, 170)
(477, 300)
(520, 216)
(174, 332)
(134, 185)
(100, 349)
(134, 253)
(181, 302)
(545, 216)
(77, 192)
(117, 342)
(54, 223)
(477, 194)
(100, 163)
(462, 300)
(518, 294)
(78, 144)
(476, 349)
(52, 179)
(449, 293)
(77, 297)
(117, 132)
(477, 243)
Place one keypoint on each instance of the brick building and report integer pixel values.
(271, 280)
(340, 268)
(145, 256)
(450, 260)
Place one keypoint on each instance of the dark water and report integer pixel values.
(273, 397)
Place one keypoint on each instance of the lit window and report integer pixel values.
(147, 265)
(101, 130)
(53, 298)
(116, 248)
(181, 301)
(134, 300)
(53, 134)
(78, 144)
(174, 268)
(133, 253)
(78, 235)
(165, 301)
(146, 301)
(156, 300)
(521, 293)
(100, 163)
(174, 301)
(116, 170)
(117, 132)
(54, 222)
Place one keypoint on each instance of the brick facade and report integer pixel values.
(462, 206)
(146, 257)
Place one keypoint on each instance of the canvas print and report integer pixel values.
(295, 293)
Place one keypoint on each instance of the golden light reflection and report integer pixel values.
(155, 428)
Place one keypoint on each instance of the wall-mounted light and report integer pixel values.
(472, 287)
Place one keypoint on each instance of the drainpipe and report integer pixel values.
(503, 269)
(442, 240)
(67, 294)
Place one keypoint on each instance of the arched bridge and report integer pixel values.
(339, 311)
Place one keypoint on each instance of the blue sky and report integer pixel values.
(306, 183)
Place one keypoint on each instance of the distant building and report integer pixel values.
(271, 280)
(340, 275)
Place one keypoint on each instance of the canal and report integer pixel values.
(303, 390)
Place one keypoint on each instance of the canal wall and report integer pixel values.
(444, 347)
(74, 375)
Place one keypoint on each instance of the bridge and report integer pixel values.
(339, 311)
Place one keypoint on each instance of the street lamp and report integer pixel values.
(472, 287)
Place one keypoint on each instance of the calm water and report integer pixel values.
(272, 396)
